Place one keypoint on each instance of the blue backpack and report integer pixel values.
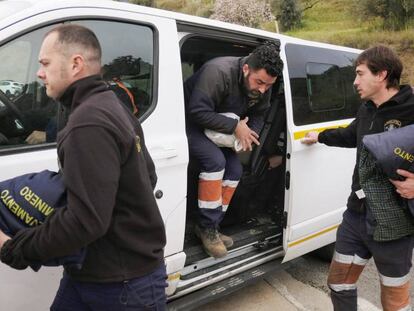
(27, 200)
(393, 150)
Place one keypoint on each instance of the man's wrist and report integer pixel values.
(3, 239)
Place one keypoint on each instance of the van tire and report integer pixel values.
(325, 253)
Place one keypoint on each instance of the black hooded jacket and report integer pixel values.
(217, 87)
(109, 177)
(398, 111)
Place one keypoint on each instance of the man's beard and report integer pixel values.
(252, 94)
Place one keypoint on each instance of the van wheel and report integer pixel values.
(325, 253)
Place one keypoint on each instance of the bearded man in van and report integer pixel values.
(387, 105)
(228, 95)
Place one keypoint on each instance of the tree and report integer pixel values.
(202, 8)
(243, 12)
(395, 15)
(290, 14)
(143, 2)
(192, 7)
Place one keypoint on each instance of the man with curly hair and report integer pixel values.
(239, 87)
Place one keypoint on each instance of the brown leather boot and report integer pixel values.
(212, 243)
(227, 241)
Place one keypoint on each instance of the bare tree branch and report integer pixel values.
(309, 4)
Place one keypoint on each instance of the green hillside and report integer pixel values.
(332, 21)
(335, 21)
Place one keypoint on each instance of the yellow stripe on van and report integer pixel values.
(294, 243)
(174, 276)
(301, 134)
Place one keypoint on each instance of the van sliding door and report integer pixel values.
(319, 95)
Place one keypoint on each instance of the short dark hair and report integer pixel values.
(381, 58)
(266, 56)
(80, 35)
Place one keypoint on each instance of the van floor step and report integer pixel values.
(225, 287)
(242, 234)
(231, 263)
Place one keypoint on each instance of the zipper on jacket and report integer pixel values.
(372, 119)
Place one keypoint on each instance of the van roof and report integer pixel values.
(10, 8)
(12, 11)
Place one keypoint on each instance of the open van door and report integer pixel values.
(319, 95)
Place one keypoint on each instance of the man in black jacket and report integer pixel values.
(109, 177)
(226, 85)
(387, 105)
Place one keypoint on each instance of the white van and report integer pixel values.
(275, 216)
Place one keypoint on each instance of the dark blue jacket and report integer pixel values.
(217, 87)
(27, 200)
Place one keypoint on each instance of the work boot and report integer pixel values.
(227, 241)
(212, 243)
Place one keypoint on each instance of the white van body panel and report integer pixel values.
(320, 179)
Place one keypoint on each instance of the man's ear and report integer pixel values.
(246, 70)
(78, 64)
(382, 75)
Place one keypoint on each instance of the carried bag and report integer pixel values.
(393, 150)
(225, 140)
(27, 200)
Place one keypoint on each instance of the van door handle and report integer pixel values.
(164, 153)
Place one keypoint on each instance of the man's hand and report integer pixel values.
(245, 135)
(405, 188)
(310, 138)
(3, 238)
(36, 137)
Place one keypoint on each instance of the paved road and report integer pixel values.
(278, 291)
(301, 287)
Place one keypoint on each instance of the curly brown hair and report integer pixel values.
(266, 56)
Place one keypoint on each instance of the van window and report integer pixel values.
(321, 83)
(322, 98)
(28, 118)
(26, 108)
(127, 61)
